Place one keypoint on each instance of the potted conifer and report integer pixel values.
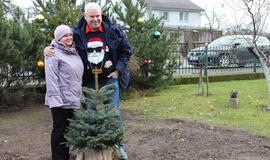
(95, 133)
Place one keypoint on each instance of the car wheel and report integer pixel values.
(224, 60)
(196, 65)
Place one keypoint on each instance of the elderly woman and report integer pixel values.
(63, 73)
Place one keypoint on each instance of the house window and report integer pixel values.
(183, 16)
(164, 15)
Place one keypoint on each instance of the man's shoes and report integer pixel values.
(123, 154)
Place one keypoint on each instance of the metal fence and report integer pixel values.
(216, 60)
(9, 78)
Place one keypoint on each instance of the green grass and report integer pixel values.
(182, 102)
(31, 115)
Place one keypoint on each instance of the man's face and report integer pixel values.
(93, 18)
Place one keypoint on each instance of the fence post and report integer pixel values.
(206, 59)
(255, 65)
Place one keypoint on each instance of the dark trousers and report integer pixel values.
(60, 122)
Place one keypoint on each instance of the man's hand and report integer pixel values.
(48, 51)
(114, 74)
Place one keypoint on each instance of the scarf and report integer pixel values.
(62, 46)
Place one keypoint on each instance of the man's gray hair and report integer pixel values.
(91, 5)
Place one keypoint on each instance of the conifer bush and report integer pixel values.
(97, 126)
(21, 46)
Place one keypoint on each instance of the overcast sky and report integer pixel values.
(201, 3)
(208, 5)
(205, 4)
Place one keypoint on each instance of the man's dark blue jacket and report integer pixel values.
(117, 42)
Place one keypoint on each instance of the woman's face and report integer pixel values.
(67, 39)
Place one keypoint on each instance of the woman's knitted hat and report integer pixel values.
(61, 30)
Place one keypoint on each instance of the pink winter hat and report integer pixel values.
(61, 30)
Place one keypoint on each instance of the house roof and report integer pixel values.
(174, 5)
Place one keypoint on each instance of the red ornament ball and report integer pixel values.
(145, 61)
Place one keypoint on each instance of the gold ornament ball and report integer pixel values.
(40, 64)
(39, 18)
(140, 20)
(222, 5)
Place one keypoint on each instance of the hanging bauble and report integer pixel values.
(156, 34)
(140, 20)
(40, 64)
(222, 5)
(39, 18)
(145, 62)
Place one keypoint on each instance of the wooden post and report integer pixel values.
(96, 71)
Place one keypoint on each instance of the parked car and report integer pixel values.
(227, 50)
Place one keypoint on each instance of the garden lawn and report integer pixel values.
(183, 102)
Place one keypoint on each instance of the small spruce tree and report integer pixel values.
(96, 127)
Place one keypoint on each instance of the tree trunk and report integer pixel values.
(202, 86)
(267, 77)
(96, 155)
(207, 80)
(200, 78)
(201, 83)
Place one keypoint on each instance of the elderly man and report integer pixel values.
(105, 50)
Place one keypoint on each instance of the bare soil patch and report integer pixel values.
(146, 139)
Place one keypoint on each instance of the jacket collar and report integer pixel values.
(87, 29)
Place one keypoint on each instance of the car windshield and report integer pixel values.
(263, 41)
(229, 40)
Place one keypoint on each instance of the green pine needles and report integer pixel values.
(96, 127)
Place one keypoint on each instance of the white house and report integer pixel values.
(176, 13)
(186, 15)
